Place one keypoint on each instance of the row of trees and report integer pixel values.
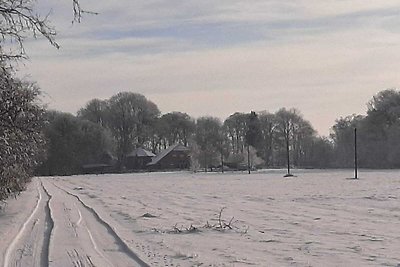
(135, 121)
(129, 120)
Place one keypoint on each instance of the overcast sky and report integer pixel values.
(207, 57)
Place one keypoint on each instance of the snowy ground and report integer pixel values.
(319, 218)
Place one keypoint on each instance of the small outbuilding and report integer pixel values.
(138, 159)
(106, 163)
(174, 157)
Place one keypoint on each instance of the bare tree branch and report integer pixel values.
(19, 20)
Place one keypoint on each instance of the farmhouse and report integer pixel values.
(174, 157)
(138, 159)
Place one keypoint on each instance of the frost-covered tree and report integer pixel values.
(21, 114)
(21, 139)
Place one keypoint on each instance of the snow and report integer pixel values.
(318, 218)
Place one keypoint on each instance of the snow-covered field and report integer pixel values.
(319, 218)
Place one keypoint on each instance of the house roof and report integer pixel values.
(140, 152)
(165, 152)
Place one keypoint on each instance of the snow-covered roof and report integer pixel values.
(165, 152)
(140, 152)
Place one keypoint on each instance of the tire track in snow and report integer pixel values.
(80, 261)
(21, 231)
(94, 244)
(80, 216)
(24, 234)
(123, 247)
(48, 229)
(77, 253)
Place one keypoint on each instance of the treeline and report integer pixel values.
(128, 120)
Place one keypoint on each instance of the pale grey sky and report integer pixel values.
(326, 58)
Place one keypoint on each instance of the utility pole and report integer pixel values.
(355, 155)
(222, 161)
(205, 162)
(248, 157)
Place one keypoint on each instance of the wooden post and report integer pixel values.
(355, 155)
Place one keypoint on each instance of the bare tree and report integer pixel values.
(235, 126)
(20, 20)
(268, 126)
(177, 127)
(209, 138)
(288, 124)
(94, 111)
(252, 135)
(128, 117)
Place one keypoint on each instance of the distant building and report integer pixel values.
(138, 159)
(174, 157)
(97, 168)
(108, 158)
(106, 164)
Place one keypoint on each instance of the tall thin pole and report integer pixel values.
(222, 162)
(248, 158)
(355, 155)
(205, 162)
(288, 156)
